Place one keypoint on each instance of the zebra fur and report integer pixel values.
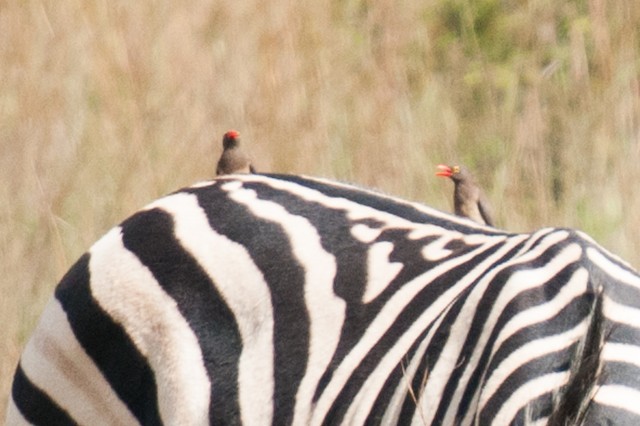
(273, 299)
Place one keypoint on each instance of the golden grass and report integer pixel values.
(106, 105)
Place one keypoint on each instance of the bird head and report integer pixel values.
(230, 139)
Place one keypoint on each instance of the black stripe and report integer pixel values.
(150, 236)
(108, 344)
(429, 359)
(414, 387)
(617, 291)
(416, 307)
(558, 361)
(622, 333)
(620, 373)
(385, 396)
(441, 336)
(379, 202)
(408, 252)
(552, 362)
(537, 409)
(526, 299)
(569, 317)
(35, 405)
(334, 229)
(268, 245)
(334, 225)
(607, 415)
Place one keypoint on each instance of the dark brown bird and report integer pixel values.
(233, 158)
(468, 199)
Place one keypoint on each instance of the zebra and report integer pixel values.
(284, 299)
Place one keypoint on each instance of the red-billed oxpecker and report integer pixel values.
(468, 199)
(233, 158)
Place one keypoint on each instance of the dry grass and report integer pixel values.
(107, 105)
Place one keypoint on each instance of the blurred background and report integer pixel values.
(106, 105)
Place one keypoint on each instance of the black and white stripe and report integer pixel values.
(288, 300)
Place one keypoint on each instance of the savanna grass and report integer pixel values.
(106, 105)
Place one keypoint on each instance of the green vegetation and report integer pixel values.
(106, 105)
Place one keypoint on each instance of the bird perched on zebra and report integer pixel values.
(233, 158)
(279, 299)
(468, 199)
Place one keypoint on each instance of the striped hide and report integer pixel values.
(275, 299)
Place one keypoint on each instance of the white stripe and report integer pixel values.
(356, 211)
(524, 355)
(449, 357)
(435, 250)
(395, 405)
(326, 310)
(55, 362)
(127, 290)
(202, 184)
(368, 393)
(518, 282)
(540, 422)
(385, 319)
(424, 230)
(245, 292)
(575, 287)
(619, 396)
(365, 234)
(313, 195)
(621, 313)
(621, 352)
(606, 253)
(529, 392)
(380, 271)
(365, 398)
(625, 276)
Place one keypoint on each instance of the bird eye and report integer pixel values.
(456, 169)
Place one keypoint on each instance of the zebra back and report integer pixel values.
(283, 299)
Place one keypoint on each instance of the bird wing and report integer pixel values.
(485, 210)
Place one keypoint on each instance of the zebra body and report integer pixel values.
(289, 300)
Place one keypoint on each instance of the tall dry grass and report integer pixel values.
(107, 105)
